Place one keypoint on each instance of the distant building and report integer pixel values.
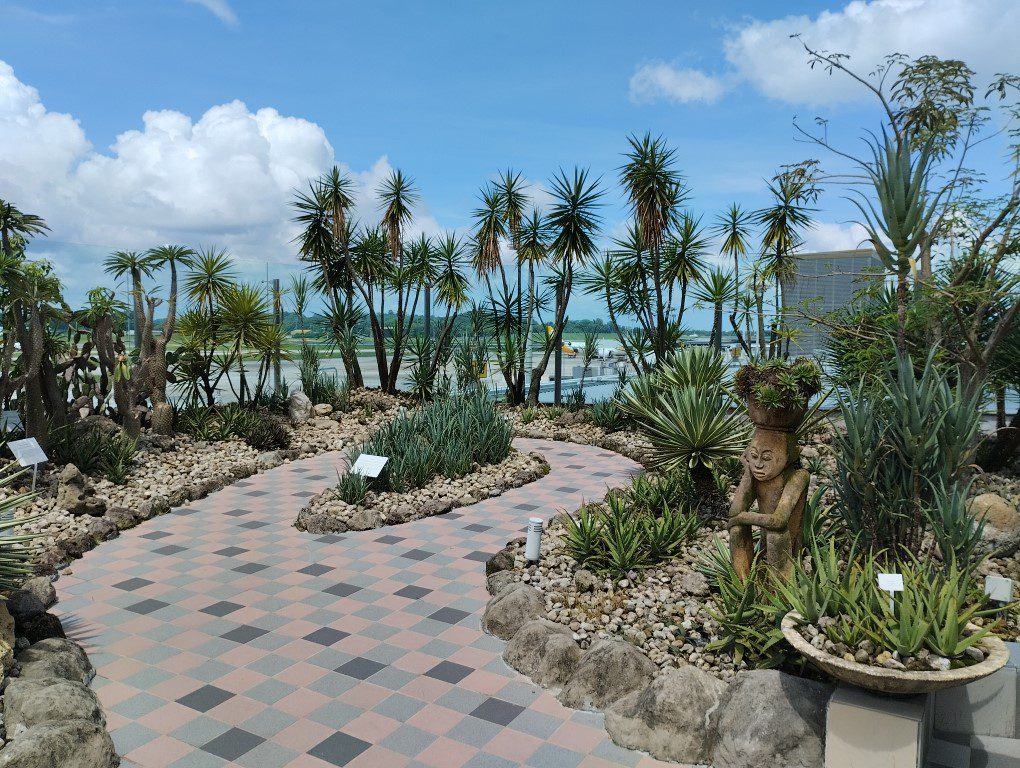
(826, 282)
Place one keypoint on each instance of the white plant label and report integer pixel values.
(891, 583)
(10, 420)
(369, 465)
(999, 589)
(28, 452)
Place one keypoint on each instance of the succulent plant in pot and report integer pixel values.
(777, 391)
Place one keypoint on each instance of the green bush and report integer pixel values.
(319, 387)
(256, 427)
(444, 437)
(352, 487)
(668, 490)
(689, 418)
(901, 461)
(607, 415)
(93, 451)
(620, 536)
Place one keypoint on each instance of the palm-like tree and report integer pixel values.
(136, 265)
(153, 350)
(783, 222)
(246, 316)
(573, 221)
(734, 227)
(717, 289)
(398, 197)
(489, 231)
(655, 191)
(14, 222)
(211, 272)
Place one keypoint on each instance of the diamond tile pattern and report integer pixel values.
(362, 649)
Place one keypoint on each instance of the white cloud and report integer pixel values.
(219, 8)
(224, 179)
(658, 81)
(832, 236)
(762, 53)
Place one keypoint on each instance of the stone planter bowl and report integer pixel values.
(779, 419)
(892, 681)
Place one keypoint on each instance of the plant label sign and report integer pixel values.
(28, 452)
(10, 420)
(999, 589)
(368, 465)
(891, 583)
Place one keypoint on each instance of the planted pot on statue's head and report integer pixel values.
(772, 476)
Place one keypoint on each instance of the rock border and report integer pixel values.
(762, 717)
(436, 498)
(51, 715)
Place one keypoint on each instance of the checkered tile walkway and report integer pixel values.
(224, 636)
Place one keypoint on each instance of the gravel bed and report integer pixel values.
(328, 513)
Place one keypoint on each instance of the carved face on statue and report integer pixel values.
(767, 455)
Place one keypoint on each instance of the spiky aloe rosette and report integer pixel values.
(777, 391)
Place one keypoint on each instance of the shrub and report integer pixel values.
(444, 437)
(620, 536)
(352, 487)
(607, 415)
(575, 399)
(690, 420)
(528, 415)
(655, 493)
(318, 386)
(93, 451)
(256, 427)
(902, 457)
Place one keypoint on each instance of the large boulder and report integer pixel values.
(364, 519)
(7, 639)
(323, 409)
(49, 700)
(23, 604)
(41, 627)
(501, 561)
(122, 517)
(55, 657)
(499, 581)
(75, 494)
(771, 718)
(607, 672)
(299, 407)
(42, 588)
(669, 718)
(544, 651)
(73, 744)
(511, 609)
(1001, 534)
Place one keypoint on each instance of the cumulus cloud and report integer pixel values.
(225, 178)
(833, 236)
(762, 53)
(658, 81)
(220, 9)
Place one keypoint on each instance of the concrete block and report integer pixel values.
(994, 752)
(864, 730)
(986, 707)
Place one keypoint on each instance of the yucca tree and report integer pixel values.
(301, 291)
(246, 318)
(734, 226)
(899, 171)
(783, 224)
(210, 273)
(716, 290)
(573, 221)
(655, 191)
(398, 197)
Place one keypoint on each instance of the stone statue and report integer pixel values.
(774, 478)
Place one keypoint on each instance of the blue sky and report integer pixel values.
(449, 92)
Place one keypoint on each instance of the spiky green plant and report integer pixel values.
(18, 551)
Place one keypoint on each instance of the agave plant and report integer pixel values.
(18, 551)
(692, 422)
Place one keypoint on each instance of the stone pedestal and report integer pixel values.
(865, 730)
